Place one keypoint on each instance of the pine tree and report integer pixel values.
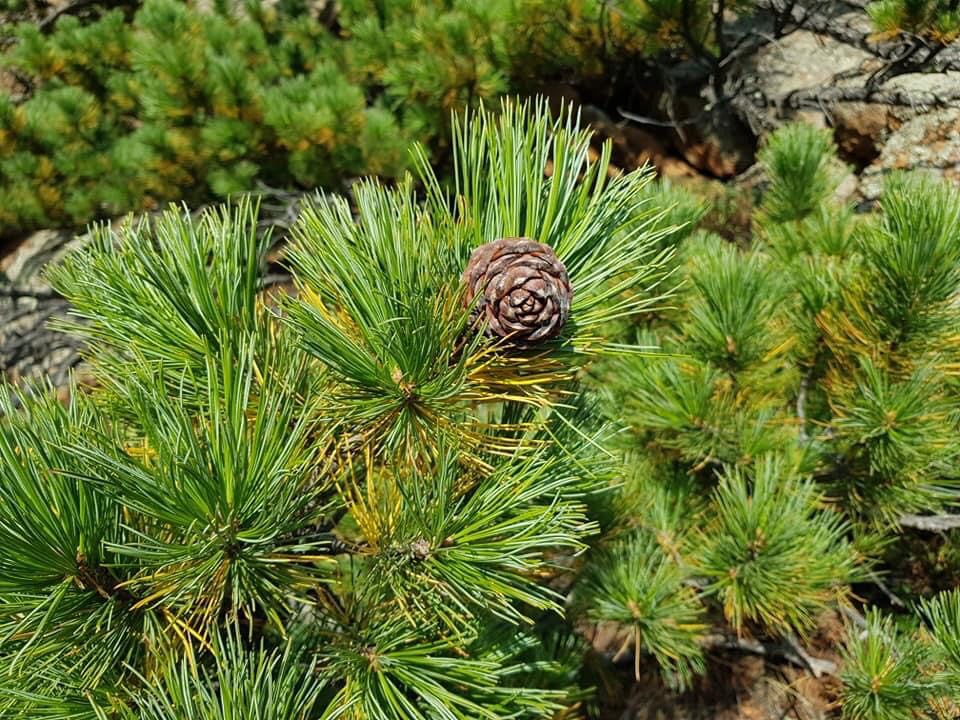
(479, 425)
(184, 101)
(797, 416)
(126, 109)
(356, 501)
(935, 20)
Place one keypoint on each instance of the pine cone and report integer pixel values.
(523, 288)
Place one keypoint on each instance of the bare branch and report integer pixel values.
(890, 594)
(807, 19)
(802, 405)
(930, 523)
(788, 650)
(854, 616)
(818, 666)
(817, 97)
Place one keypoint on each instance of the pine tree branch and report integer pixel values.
(101, 581)
(788, 650)
(891, 596)
(819, 96)
(46, 25)
(814, 21)
(930, 523)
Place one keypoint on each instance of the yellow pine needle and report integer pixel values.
(143, 451)
(375, 507)
(339, 318)
(183, 629)
(149, 600)
(283, 558)
(780, 349)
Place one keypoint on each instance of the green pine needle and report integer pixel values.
(772, 556)
(644, 589)
(882, 673)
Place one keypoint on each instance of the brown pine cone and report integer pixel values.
(523, 288)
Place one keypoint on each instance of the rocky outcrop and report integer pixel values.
(928, 143)
(884, 116)
(860, 129)
(803, 60)
(30, 351)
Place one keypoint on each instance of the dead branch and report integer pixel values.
(46, 25)
(930, 523)
(818, 97)
(789, 649)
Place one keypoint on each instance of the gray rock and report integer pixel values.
(804, 60)
(927, 143)
(23, 266)
(29, 350)
(925, 83)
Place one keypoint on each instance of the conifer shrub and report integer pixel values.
(351, 501)
(370, 500)
(184, 102)
(125, 109)
(128, 108)
(934, 20)
(797, 415)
